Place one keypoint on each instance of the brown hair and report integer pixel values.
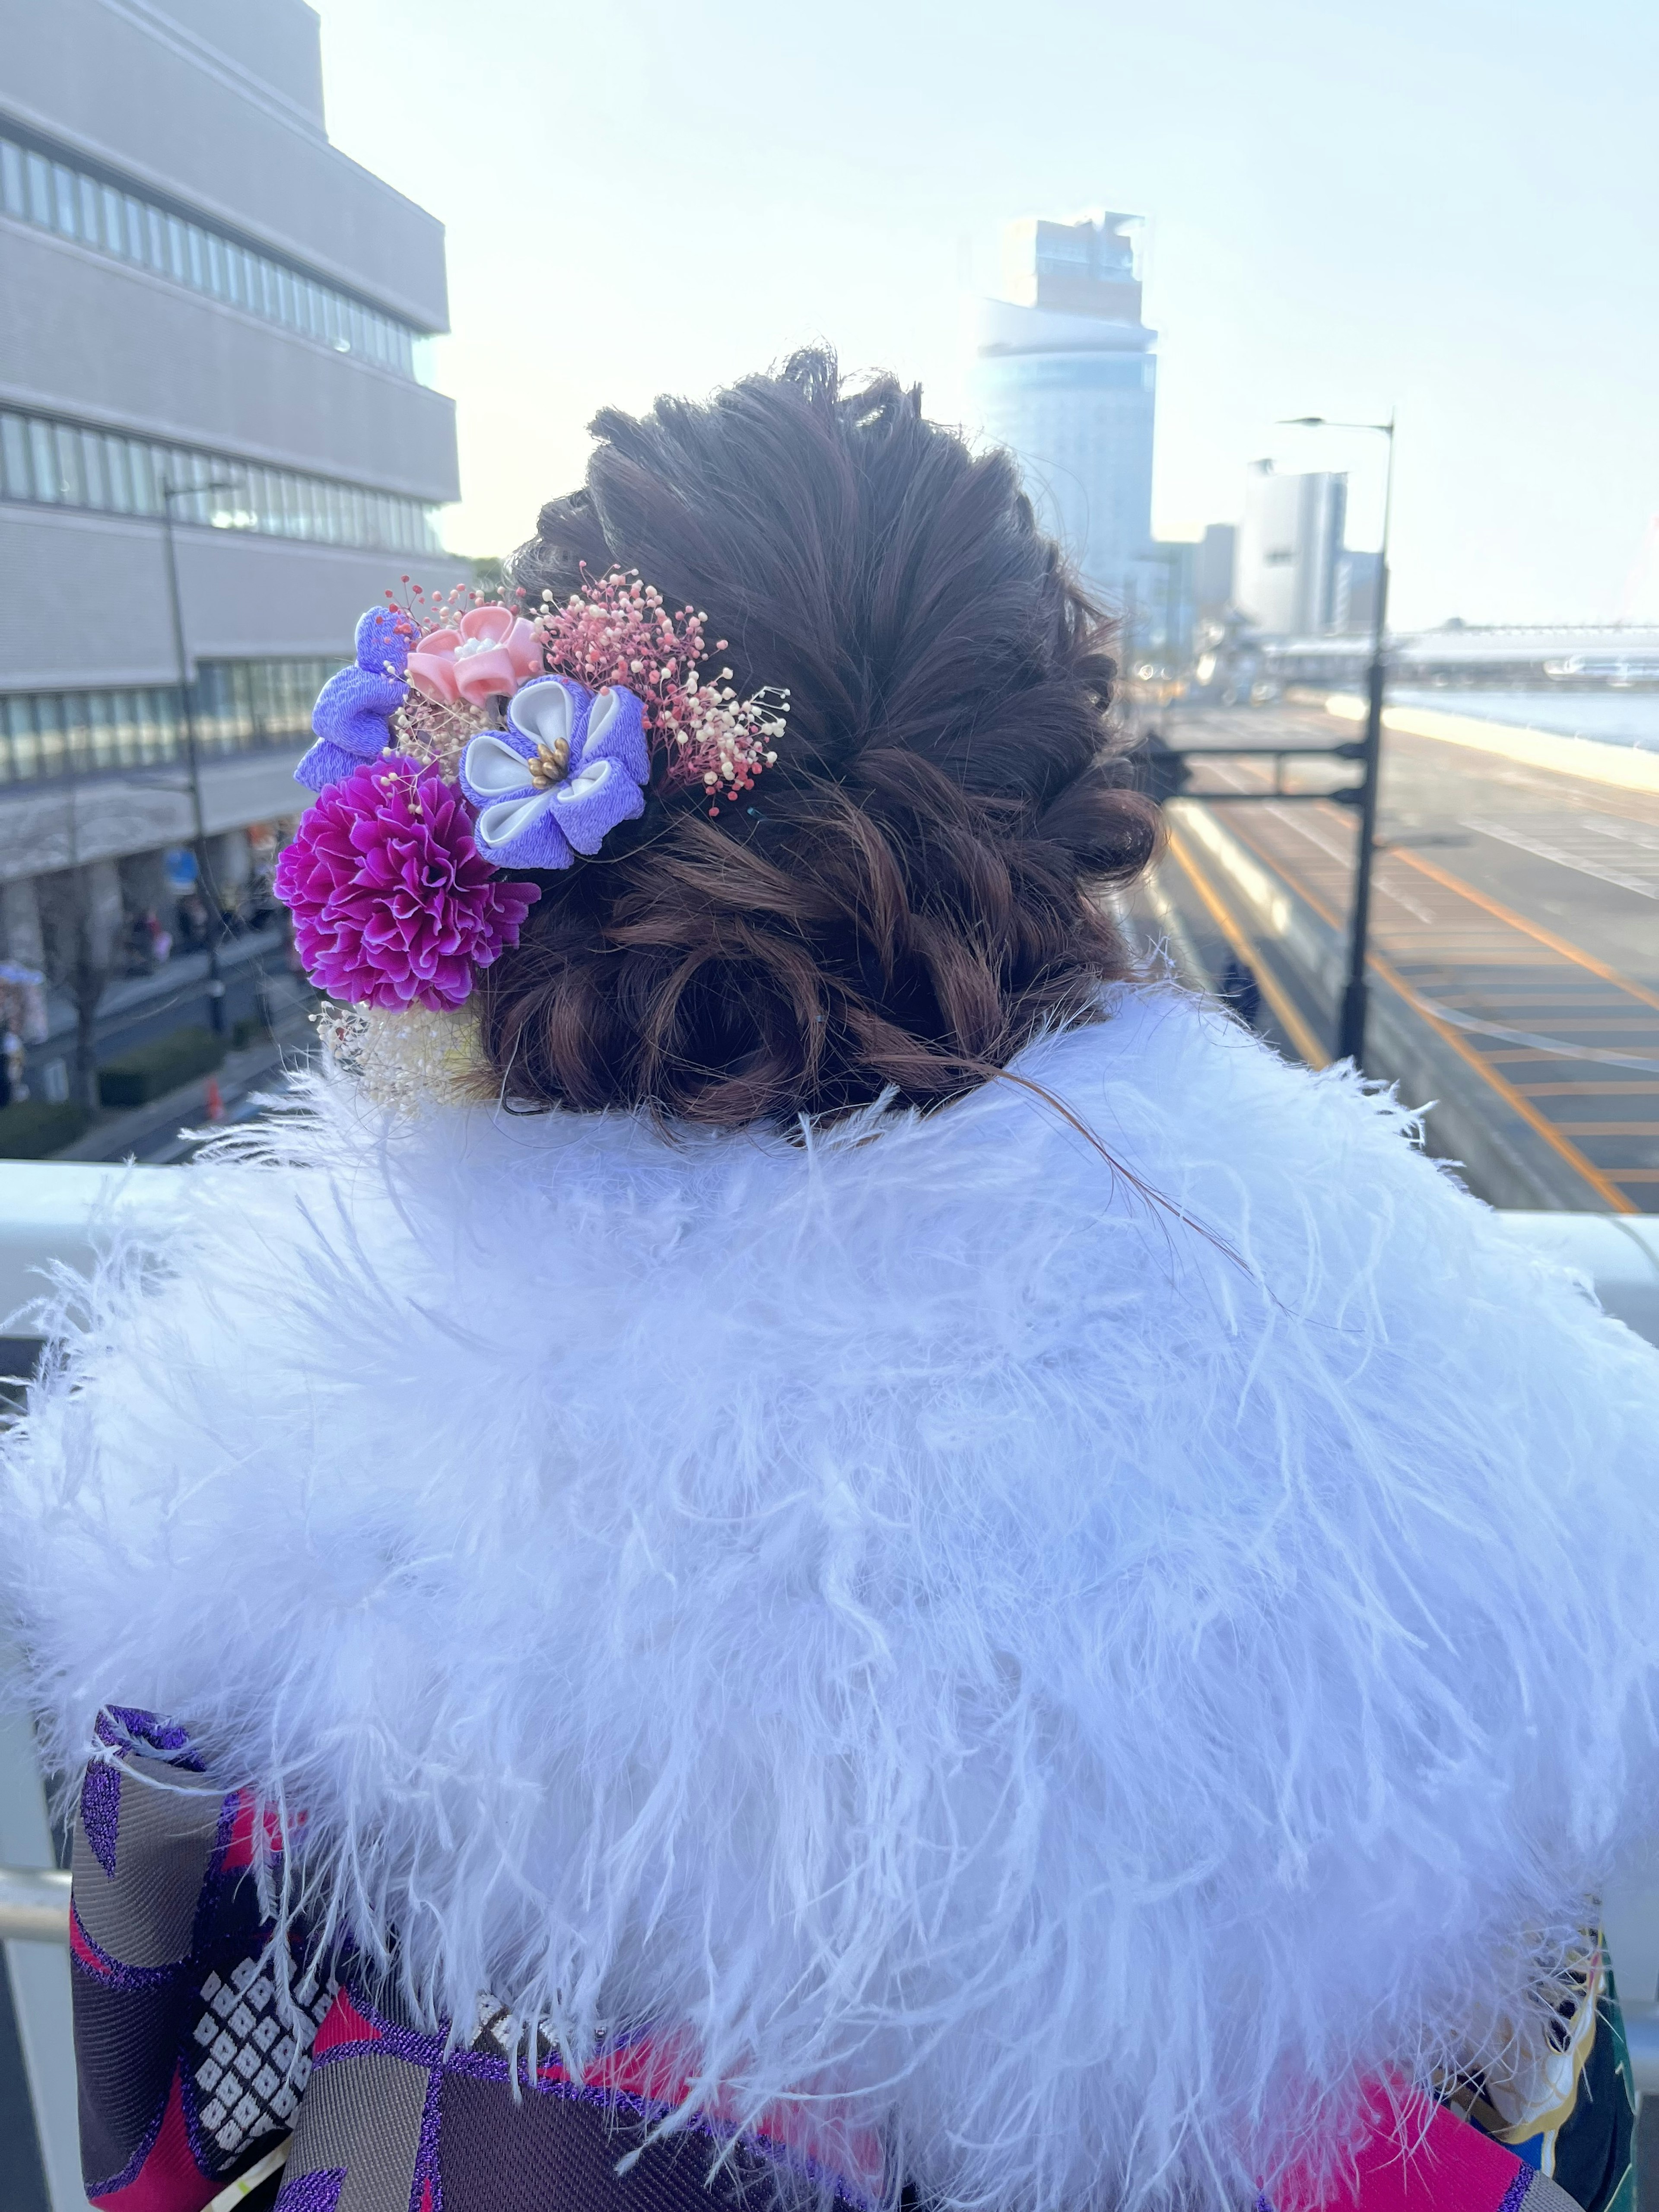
(911, 893)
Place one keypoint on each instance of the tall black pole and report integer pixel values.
(192, 755)
(1351, 1027)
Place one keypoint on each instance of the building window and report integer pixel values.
(239, 705)
(60, 464)
(57, 195)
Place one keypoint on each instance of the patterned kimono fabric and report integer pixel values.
(195, 2069)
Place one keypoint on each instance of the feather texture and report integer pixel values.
(1086, 1679)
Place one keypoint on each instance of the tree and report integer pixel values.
(81, 931)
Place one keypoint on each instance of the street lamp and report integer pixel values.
(170, 491)
(1350, 1026)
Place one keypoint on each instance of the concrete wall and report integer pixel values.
(276, 43)
(184, 118)
(243, 597)
(127, 350)
(48, 826)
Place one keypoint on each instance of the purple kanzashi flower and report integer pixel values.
(569, 766)
(354, 708)
(391, 900)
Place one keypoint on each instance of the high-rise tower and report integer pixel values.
(1065, 378)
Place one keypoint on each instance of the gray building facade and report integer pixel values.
(204, 306)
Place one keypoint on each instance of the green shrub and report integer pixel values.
(155, 1069)
(36, 1127)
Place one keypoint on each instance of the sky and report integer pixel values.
(1445, 207)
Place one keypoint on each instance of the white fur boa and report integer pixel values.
(1086, 1680)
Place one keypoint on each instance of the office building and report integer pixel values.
(1289, 549)
(1065, 378)
(1212, 568)
(208, 309)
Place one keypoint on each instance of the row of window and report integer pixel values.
(61, 464)
(240, 705)
(57, 196)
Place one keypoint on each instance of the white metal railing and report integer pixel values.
(55, 1212)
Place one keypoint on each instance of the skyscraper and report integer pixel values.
(1290, 546)
(1065, 378)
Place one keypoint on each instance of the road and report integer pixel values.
(1514, 935)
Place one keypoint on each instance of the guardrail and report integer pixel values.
(34, 1906)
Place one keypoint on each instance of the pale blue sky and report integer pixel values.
(1448, 205)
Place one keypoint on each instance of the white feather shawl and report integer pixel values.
(1087, 1680)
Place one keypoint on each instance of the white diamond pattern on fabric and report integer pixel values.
(249, 2082)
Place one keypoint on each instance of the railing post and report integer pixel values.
(40, 1976)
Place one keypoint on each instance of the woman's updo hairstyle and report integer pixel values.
(912, 891)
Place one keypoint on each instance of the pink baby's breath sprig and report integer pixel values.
(618, 630)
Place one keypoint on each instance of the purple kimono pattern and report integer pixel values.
(194, 2067)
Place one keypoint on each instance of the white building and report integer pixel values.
(1287, 564)
(1065, 378)
(202, 297)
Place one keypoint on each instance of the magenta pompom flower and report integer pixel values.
(391, 901)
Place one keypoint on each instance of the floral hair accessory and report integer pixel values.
(391, 901)
(569, 766)
(352, 717)
(487, 656)
(468, 738)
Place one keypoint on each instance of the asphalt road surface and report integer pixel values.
(1515, 934)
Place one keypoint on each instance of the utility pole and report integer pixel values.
(192, 750)
(1351, 1024)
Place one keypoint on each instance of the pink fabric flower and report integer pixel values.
(391, 901)
(492, 652)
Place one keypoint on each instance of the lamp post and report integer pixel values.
(1351, 1025)
(170, 492)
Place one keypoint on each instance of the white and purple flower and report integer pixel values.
(569, 766)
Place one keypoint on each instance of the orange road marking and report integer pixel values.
(1292, 1022)
(1607, 1191)
(1561, 944)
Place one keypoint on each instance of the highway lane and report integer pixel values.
(1515, 924)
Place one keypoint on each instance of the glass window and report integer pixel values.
(115, 475)
(357, 523)
(155, 240)
(196, 243)
(68, 465)
(91, 223)
(91, 470)
(104, 745)
(15, 470)
(49, 751)
(177, 262)
(133, 212)
(45, 458)
(123, 729)
(62, 191)
(109, 204)
(40, 182)
(140, 460)
(235, 291)
(285, 311)
(270, 292)
(25, 742)
(213, 258)
(11, 178)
